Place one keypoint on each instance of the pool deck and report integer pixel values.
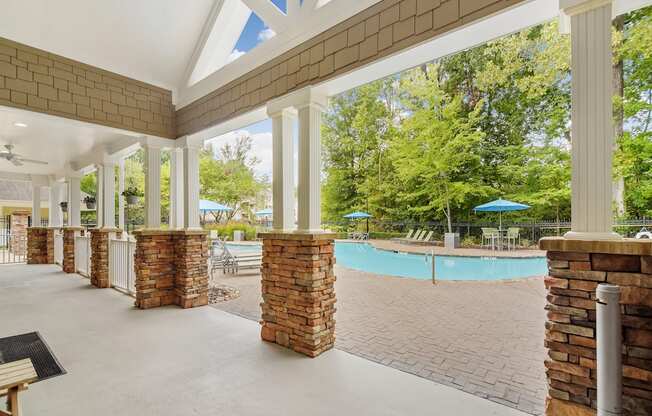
(481, 337)
(442, 251)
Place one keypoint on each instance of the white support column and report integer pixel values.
(121, 189)
(99, 192)
(36, 205)
(74, 201)
(176, 188)
(309, 195)
(592, 125)
(152, 186)
(108, 195)
(283, 169)
(54, 209)
(191, 187)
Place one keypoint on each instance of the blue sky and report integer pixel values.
(255, 30)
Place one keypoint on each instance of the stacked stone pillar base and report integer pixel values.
(69, 234)
(40, 245)
(298, 291)
(575, 270)
(171, 268)
(100, 256)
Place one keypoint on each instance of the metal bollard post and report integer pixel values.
(432, 257)
(609, 350)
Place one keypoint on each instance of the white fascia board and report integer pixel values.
(504, 23)
(321, 19)
(626, 6)
(220, 36)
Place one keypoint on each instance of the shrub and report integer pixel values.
(226, 230)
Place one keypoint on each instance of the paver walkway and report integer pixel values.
(485, 338)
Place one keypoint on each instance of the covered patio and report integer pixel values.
(199, 361)
(166, 80)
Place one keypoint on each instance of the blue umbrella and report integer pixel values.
(500, 206)
(210, 206)
(358, 215)
(264, 213)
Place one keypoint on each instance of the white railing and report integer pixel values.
(83, 255)
(58, 247)
(121, 265)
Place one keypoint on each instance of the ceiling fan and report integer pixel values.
(15, 158)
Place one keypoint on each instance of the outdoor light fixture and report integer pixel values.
(19, 124)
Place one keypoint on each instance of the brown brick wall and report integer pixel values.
(40, 81)
(382, 30)
(100, 256)
(69, 234)
(576, 268)
(19, 223)
(298, 292)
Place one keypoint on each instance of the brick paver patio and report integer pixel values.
(485, 338)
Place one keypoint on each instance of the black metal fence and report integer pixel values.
(530, 231)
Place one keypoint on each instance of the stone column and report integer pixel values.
(191, 187)
(100, 255)
(176, 189)
(575, 269)
(152, 187)
(121, 199)
(191, 268)
(309, 192)
(18, 226)
(283, 170)
(298, 291)
(74, 201)
(592, 119)
(69, 234)
(40, 245)
(171, 268)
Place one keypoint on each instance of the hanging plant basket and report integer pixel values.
(132, 195)
(64, 206)
(132, 199)
(90, 202)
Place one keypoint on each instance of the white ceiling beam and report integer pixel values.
(219, 36)
(269, 13)
(308, 7)
(294, 8)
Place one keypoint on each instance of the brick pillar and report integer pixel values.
(100, 256)
(575, 269)
(298, 291)
(69, 234)
(154, 260)
(191, 268)
(18, 226)
(40, 245)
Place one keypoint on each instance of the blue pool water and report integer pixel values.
(364, 257)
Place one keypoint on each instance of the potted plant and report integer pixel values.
(90, 202)
(131, 194)
(64, 206)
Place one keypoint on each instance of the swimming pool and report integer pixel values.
(365, 257)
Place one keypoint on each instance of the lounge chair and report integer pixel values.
(221, 257)
(427, 237)
(409, 234)
(417, 235)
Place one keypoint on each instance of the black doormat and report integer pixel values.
(32, 346)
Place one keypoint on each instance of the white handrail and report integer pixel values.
(83, 255)
(58, 248)
(122, 274)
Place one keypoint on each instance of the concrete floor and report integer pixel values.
(194, 362)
